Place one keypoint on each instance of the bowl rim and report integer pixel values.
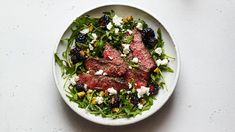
(130, 121)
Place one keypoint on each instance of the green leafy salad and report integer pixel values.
(113, 65)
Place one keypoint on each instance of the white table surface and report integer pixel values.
(204, 99)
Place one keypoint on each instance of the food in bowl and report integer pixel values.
(113, 65)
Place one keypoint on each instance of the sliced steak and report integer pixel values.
(102, 82)
(137, 75)
(146, 61)
(107, 66)
(112, 54)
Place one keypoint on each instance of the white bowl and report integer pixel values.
(170, 78)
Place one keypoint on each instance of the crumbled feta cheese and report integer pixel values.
(129, 31)
(128, 92)
(94, 37)
(158, 50)
(105, 74)
(162, 62)
(110, 38)
(129, 85)
(91, 47)
(135, 60)
(110, 57)
(139, 26)
(116, 30)
(88, 72)
(85, 86)
(142, 90)
(99, 100)
(74, 79)
(130, 67)
(123, 55)
(126, 48)
(140, 106)
(85, 31)
(109, 26)
(112, 91)
(159, 61)
(117, 20)
(100, 72)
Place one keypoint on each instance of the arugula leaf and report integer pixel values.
(160, 42)
(99, 47)
(166, 69)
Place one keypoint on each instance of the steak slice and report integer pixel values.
(146, 61)
(102, 82)
(137, 75)
(107, 66)
(110, 53)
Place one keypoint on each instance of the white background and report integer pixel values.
(204, 99)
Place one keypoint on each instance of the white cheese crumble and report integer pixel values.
(110, 57)
(85, 86)
(105, 74)
(99, 100)
(128, 92)
(85, 31)
(142, 90)
(129, 85)
(130, 67)
(112, 91)
(162, 62)
(74, 79)
(139, 26)
(123, 55)
(135, 60)
(116, 30)
(140, 106)
(129, 31)
(100, 72)
(117, 20)
(158, 50)
(91, 47)
(126, 48)
(109, 26)
(110, 38)
(88, 72)
(94, 37)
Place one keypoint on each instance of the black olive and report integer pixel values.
(153, 89)
(103, 21)
(80, 87)
(114, 101)
(81, 38)
(134, 99)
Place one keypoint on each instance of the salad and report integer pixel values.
(113, 65)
